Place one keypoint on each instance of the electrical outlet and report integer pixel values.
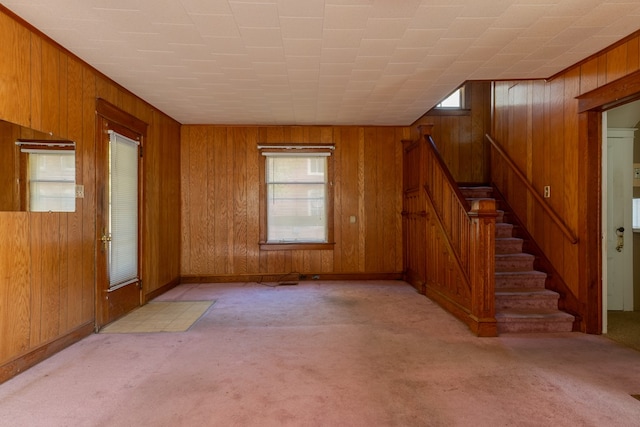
(547, 191)
(79, 191)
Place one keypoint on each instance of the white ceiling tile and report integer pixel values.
(255, 15)
(345, 17)
(303, 63)
(377, 47)
(385, 28)
(215, 25)
(261, 37)
(302, 47)
(429, 16)
(520, 16)
(342, 37)
(301, 28)
(323, 61)
(344, 55)
(467, 27)
(213, 7)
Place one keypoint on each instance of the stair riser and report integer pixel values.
(528, 302)
(506, 263)
(508, 246)
(534, 326)
(504, 230)
(477, 193)
(526, 282)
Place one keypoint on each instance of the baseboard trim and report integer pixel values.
(161, 290)
(274, 277)
(44, 351)
(412, 278)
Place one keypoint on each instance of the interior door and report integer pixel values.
(618, 225)
(118, 171)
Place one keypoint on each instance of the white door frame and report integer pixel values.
(604, 217)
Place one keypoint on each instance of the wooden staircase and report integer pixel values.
(521, 300)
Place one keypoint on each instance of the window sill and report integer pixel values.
(295, 246)
(449, 112)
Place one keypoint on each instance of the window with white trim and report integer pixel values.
(297, 206)
(455, 100)
(52, 175)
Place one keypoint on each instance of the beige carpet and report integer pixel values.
(624, 327)
(326, 354)
(161, 316)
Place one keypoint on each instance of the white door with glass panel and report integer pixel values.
(122, 222)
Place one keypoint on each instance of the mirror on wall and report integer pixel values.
(37, 171)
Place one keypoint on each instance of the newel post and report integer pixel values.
(482, 267)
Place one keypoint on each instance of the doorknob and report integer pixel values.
(620, 234)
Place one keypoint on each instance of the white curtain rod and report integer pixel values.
(296, 147)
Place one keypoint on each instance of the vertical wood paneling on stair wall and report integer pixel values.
(220, 201)
(548, 111)
(460, 136)
(47, 260)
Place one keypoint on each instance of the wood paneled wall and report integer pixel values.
(539, 125)
(47, 260)
(220, 201)
(459, 134)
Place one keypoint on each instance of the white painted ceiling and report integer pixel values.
(365, 62)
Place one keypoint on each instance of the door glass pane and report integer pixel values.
(123, 210)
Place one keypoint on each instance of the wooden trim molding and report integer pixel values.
(275, 277)
(296, 246)
(116, 115)
(273, 246)
(37, 355)
(611, 95)
(161, 290)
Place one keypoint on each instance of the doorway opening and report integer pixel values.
(119, 139)
(621, 237)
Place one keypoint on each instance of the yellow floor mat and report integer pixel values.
(161, 316)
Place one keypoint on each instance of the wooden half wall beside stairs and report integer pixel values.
(449, 243)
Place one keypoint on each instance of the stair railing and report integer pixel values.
(529, 187)
(460, 247)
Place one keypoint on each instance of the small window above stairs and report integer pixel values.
(523, 304)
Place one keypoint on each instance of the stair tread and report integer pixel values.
(519, 255)
(509, 239)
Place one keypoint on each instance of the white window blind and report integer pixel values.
(123, 210)
(52, 175)
(636, 214)
(296, 197)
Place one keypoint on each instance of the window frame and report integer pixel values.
(463, 110)
(31, 150)
(298, 149)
